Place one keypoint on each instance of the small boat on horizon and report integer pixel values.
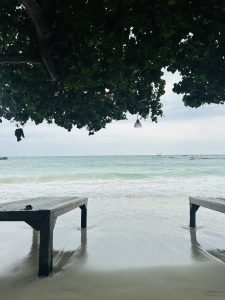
(193, 157)
(159, 154)
(3, 158)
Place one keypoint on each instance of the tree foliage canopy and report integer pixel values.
(85, 63)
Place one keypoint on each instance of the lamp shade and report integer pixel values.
(137, 124)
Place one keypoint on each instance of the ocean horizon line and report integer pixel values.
(116, 155)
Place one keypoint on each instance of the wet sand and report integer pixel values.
(192, 282)
(134, 249)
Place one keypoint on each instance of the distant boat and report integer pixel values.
(193, 157)
(3, 157)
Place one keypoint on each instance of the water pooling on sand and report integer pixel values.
(137, 242)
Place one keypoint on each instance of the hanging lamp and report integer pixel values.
(137, 124)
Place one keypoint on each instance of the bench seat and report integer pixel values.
(41, 214)
(217, 204)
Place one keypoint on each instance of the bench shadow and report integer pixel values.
(78, 256)
(60, 258)
(199, 253)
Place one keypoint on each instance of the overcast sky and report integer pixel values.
(182, 130)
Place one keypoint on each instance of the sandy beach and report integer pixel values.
(143, 250)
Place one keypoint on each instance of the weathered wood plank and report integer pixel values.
(217, 204)
(43, 203)
(69, 206)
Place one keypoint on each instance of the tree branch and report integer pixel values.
(44, 32)
(15, 60)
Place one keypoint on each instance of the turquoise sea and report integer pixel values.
(112, 177)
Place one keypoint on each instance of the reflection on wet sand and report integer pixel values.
(60, 258)
(76, 281)
(197, 251)
(200, 254)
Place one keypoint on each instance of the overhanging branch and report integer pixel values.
(44, 33)
(15, 60)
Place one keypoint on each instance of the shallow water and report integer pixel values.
(132, 177)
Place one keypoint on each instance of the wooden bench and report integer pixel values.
(41, 214)
(217, 204)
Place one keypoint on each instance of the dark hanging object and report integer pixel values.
(28, 207)
(137, 124)
(19, 134)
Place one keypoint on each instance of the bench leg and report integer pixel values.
(193, 209)
(83, 216)
(46, 246)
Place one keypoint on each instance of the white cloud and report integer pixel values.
(120, 138)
